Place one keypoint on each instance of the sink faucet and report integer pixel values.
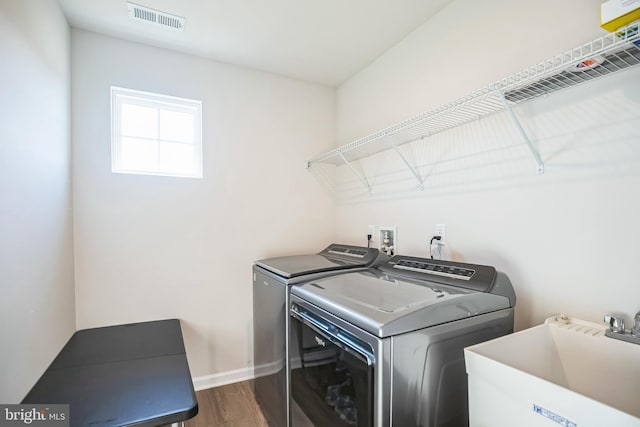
(616, 324)
(635, 331)
(616, 329)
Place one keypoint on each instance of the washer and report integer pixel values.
(272, 279)
(384, 346)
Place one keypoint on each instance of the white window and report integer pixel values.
(155, 134)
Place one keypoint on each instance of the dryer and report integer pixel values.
(272, 279)
(384, 347)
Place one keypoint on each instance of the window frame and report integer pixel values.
(161, 102)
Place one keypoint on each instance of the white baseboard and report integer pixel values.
(222, 378)
(235, 376)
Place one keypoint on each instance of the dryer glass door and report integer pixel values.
(331, 374)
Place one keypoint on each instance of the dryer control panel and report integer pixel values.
(438, 269)
(476, 277)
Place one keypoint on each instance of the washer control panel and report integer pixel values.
(476, 277)
(438, 269)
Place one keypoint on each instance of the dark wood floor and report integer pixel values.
(231, 405)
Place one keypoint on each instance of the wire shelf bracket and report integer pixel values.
(356, 173)
(411, 168)
(520, 129)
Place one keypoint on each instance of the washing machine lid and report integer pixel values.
(384, 304)
(335, 257)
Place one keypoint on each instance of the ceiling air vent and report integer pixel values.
(146, 14)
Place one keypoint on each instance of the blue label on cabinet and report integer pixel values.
(553, 416)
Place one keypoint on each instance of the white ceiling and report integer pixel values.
(319, 41)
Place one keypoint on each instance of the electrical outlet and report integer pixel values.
(440, 231)
(371, 231)
(436, 251)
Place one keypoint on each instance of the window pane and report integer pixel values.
(138, 121)
(139, 155)
(176, 126)
(176, 158)
(155, 134)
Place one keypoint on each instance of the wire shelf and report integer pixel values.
(603, 56)
(611, 62)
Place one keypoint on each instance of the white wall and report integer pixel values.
(568, 239)
(36, 256)
(152, 247)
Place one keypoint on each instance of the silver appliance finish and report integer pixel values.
(411, 319)
(272, 279)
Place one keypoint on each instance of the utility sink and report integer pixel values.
(564, 372)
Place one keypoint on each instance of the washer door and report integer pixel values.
(331, 373)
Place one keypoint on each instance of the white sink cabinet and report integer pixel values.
(564, 372)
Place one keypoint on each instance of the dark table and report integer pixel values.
(134, 374)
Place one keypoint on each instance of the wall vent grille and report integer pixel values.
(163, 19)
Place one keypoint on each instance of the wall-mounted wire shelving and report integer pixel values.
(603, 56)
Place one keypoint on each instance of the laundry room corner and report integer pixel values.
(163, 247)
(319, 214)
(557, 234)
